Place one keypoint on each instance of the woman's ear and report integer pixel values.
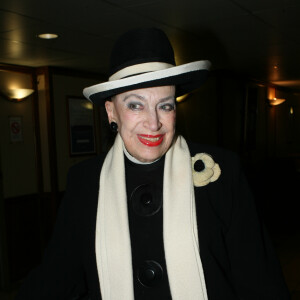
(109, 106)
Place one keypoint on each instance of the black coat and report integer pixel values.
(237, 255)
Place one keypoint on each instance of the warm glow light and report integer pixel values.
(87, 105)
(181, 98)
(17, 94)
(271, 92)
(48, 36)
(291, 110)
(276, 101)
(272, 97)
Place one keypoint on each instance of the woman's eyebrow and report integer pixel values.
(144, 99)
(134, 95)
(167, 98)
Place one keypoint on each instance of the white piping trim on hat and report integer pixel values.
(146, 77)
(140, 68)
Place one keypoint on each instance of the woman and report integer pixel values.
(156, 218)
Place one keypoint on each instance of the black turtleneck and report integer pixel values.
(144, 185)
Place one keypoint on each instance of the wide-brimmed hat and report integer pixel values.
(143, 58)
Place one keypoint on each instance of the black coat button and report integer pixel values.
(150, 273)
(146, 200)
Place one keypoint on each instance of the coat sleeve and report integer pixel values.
(255, 267)
(60, 274)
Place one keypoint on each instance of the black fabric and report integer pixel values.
(146, 231)
(68, 269)
(139, 46)
(238, 259)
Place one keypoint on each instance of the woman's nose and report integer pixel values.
(152, 121)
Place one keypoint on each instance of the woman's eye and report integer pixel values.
(135, 106)
(168, 107)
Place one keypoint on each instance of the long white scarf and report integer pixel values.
(113, 248)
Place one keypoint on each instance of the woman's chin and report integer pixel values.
(147, 153)
(148, 159)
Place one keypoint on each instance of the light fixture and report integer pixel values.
(16, 95)
(276, 101)
(48, 36)
(272, 99)
(182, 98)
(87, 105)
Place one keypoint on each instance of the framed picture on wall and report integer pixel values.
(81, 126)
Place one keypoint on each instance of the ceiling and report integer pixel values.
(256, 38)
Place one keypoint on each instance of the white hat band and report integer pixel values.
(138, 69)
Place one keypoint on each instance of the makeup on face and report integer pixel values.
(151, 140)
(146, 120)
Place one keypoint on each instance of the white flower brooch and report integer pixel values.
(205, 170)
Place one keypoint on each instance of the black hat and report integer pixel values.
(144, 58)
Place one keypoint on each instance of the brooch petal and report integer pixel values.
(210, 171)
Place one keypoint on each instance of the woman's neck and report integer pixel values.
(134, 160)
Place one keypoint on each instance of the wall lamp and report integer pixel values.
(272, 97)
(16, 95)
(182, 98)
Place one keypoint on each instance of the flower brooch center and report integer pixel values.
(205, 170)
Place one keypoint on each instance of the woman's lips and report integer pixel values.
(151, 140)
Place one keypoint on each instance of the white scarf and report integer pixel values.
(113, 248)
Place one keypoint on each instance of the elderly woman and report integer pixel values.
(157, 217)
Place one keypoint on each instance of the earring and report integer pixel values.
(114, 127)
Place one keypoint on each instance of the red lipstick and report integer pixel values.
(151, 140)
